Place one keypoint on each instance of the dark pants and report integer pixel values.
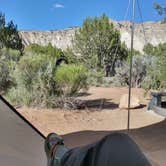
(113, 150)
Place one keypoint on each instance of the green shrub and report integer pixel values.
(156, 76)
(95, 78)
(49, 50)
(34, 82)
(158, 51)
(71, 57)
(10, 54)
(39, 83)
(21, 96)
(28, 68)
(139, 70)
(5, 77)
(71, 78)
(46, 86)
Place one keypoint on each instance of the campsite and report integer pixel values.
(83, 81)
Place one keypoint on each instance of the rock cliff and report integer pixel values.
(155, 33)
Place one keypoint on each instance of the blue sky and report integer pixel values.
(60, 14)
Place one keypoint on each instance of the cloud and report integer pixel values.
(58, 5)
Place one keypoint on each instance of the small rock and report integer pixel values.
(134, 102)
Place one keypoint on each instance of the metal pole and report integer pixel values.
(131, 60)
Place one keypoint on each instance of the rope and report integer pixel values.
(140, 13)
(119, 41)
(127, 10)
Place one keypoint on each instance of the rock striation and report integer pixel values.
(155, 33)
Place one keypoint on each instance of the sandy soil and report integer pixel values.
(85, 126)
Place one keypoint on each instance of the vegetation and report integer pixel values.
(139, 71)
(98, 44)
(5, 78)
(160, 9)
(9, 37)
(32, 78)
(46, 76)
(71, 78)
(47, 50)
(159, 51)
(155, 77)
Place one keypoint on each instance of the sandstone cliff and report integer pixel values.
(155, 33)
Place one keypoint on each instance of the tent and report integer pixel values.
(21, 144)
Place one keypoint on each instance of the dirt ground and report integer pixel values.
(86, 126)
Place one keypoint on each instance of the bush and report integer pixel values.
(10, 54)
(28, 68)
(21, 96)
(49, 50)
(121, 77)
(5, 78)
(156, 76)
(46, 86)
(95, 78)
(140, 65)
(71, 57)
(158, 51)
(71, 78)
(34, 82)
(40, 83)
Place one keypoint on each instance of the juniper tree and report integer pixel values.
(98, 43)
(161, 9)
(9, 36)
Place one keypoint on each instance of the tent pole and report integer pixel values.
(131, 60)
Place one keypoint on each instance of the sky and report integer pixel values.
(61, 14)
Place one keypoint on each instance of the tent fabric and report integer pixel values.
(116, 149)
(21, 144)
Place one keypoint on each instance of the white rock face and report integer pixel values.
(155, 33)
(60, 38)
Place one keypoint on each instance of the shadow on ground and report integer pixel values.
(83, 94)
(149, 138)
(101, 103)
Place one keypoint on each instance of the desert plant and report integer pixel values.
(71, 57)
(156, 76)
(28, 68)
(158, 51)
(13, 54)
(34, 75)
(49, 50)
(161, 9)
(71, 78)
(9, 36)
(139, 70)
(5, 77)
(20, 96)
(95, 78)
(98, 43)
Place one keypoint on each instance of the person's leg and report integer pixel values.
(116, 149)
